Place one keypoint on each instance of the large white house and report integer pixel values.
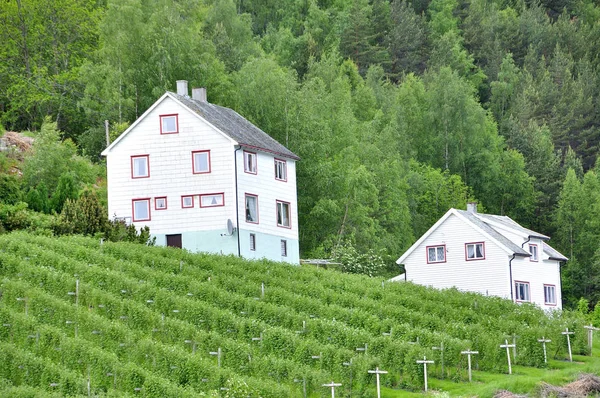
(204, 178)
(489, 254)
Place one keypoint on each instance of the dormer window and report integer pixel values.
(475, 251)
(169, 124)
(250, 162)
(140, 167)
(533, 250)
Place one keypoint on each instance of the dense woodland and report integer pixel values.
(398, 110)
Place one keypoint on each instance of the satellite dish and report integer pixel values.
(230, 228)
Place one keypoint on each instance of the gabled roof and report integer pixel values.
(227, 121)
(485, 224)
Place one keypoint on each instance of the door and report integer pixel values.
(174, 240)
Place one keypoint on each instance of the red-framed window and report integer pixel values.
(160, 203)
(475, 251)
(550, 294)
(533, 250)
(169, 124)
(251, 207)
(140, 209)
(187, 201)
(280, 170)
(201, 162)
(522, 291)
(250, 162)
(284, 213)
(212, 199)
(140, 166)
(436, 254)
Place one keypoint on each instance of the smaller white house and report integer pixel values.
(489, 254)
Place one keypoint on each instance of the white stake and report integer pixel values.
(218, 354)
(567, 333)
(363, 349)
(262, 290)
(425, 362)
(333, 386)
(441, 350)
(377, 372)
(469, 353)
(590, 330)
(507, 346)
(543, 340)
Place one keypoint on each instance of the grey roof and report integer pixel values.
(510, 223)
(518, 250)
(235, 126)
(552, 253)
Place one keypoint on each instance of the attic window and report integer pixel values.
(201, 162)
(436, 254)
(533, 250)
(169, 124)
(212, 200)
(280, 170)
(250, 162)
(475, 251)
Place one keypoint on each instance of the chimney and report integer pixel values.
(199, 94)
(182, 88)
(472, 207)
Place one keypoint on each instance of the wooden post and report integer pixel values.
(262, 290)
(425, 362)
(590, 330)
(543, 340)
(333, 386)
(363, 349)
(303, 380)
(377, 372)
(441, 350)
(107, 132)
(568, 334)
(218, 355)
(349, 364)
(469, 353)
(507, 346)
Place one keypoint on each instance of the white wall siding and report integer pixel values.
(489, 276)
(171, 175)
(538, 274)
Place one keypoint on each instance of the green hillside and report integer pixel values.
(83, 318)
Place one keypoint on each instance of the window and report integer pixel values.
(475, 251)
(522, 291)
(253, 242)
(283, 214)
(533, 249)
(280, 170)
(250, 162)
(549, 295)
(284, 248)
(187, 201)
(251, 208)
(140, 166)
(160, 203)
(212, 200)
(436, 254)
(141, 209)
(201, 162)
(169, 124)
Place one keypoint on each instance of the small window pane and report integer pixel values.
(440, 253)
(169, 124)
(161, 203)
(470, 251)
(479, 250)
(141, 210)
(251, 208)
(188, 201)
(211, 200)
(140, 167)
(201, 162)
(252, 242)
(431, 254)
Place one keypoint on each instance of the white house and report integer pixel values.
(489, 254)
(204, 178)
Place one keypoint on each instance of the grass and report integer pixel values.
(523, 380)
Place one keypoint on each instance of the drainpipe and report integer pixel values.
(237, 207)
(528, 239)
(512, 297)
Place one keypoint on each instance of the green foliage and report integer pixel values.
(10, 190)
(353, 262)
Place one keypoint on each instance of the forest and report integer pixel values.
(398, 110)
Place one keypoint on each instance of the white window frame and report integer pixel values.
(163, 118)
(522, 295)
(250, 160)
(437, 252)
(475, 257)
(156, 203)
(247, 209)
(183, 201)
(145, 159)
(280, 205)
(134, 209)
(280, 170)
(550, 292)
(221, 201)
(196, 163)
(534, 251)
